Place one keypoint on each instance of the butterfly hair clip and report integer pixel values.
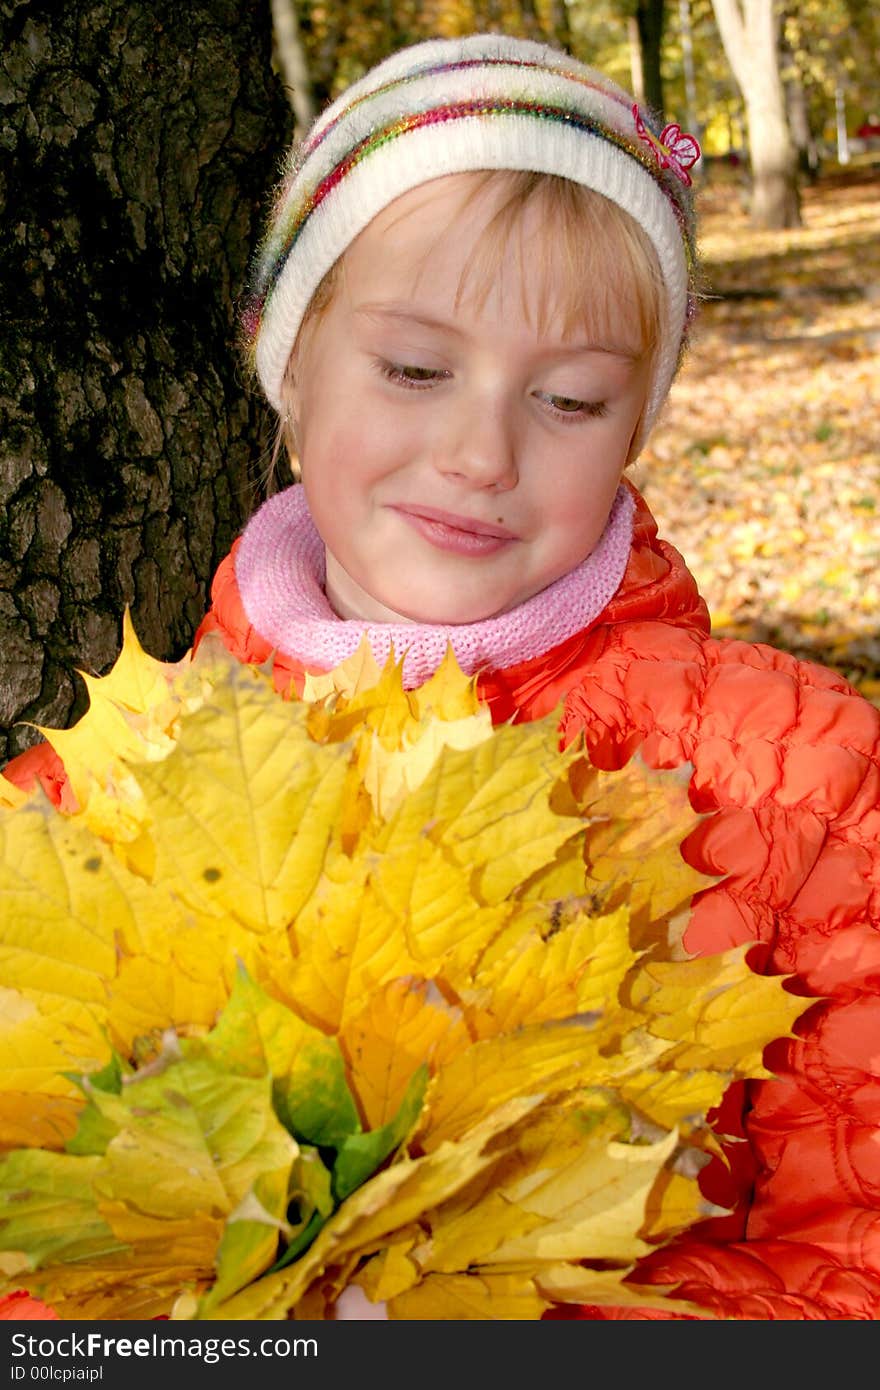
(673, 149)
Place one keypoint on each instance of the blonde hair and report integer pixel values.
(598, 267)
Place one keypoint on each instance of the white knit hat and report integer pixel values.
(450, 106)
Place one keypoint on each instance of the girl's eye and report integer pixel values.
(569, 406)
(413, 378)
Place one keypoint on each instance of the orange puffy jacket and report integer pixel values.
(788, 756)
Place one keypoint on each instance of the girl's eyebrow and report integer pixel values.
(403, 313)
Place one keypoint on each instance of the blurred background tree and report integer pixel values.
(751, 34)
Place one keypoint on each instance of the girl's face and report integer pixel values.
(455, 459)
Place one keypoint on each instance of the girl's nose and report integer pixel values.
(481, 446)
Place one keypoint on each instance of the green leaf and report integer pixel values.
(248, 1245)
(94, 1132)
(311, 1186)
(362, 1154)
(96, 1127)
(314, 1101)
(108, 1078)
(256, 1034)
(301, 1242)
(48, 1208)
(310, 1193)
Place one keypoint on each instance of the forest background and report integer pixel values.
(141, 143)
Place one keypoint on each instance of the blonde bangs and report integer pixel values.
(595, 269)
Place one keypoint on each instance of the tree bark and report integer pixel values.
(636, 61)
(140, 141)
(558, 24)
(750, 34)
(294, 65)
(650, 20)
(806, 151)
(692, 121)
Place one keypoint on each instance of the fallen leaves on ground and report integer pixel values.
(764, 470)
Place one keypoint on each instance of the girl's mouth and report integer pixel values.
(461, 534)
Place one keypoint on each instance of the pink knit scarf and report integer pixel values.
(279, 567)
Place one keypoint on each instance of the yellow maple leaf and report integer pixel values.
(131, 713)
(568, 1188)
(405, 1022)
(357, 672)
(407, 729)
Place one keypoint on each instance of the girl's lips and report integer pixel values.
(460, 534)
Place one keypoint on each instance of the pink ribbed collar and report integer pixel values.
(279, 567)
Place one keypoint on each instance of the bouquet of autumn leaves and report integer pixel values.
(350, 992)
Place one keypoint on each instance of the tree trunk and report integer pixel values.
(691, 121)
(294, 65)
(140, 140)
(636, 64)
(750, 34)
(558, 24)
(806, 151)
(650, 19)
(530, 23)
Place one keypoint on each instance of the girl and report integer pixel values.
(471, 302)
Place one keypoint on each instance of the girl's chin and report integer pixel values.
(457, 617)
(430, 613)
(444, 596)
